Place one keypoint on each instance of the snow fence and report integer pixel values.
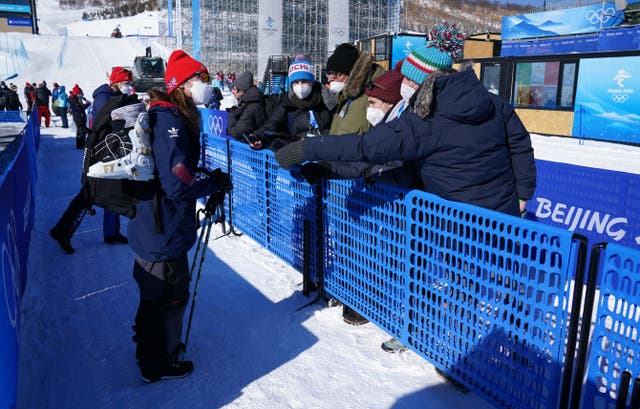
(493, 300)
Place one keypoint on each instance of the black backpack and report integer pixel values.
(116, 195)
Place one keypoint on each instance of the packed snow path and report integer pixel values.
(250, 347)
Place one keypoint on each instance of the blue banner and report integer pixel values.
(599, 204)
(608, 99)
(14, 21)
(13, 8)
(568, 45)
(619, 39)
(214, 122)
(402, 45)
(579, 20)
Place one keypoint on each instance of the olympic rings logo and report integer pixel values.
(339, 31)
(619, 98)
(215, 125)
(598, 16)
(11, 266)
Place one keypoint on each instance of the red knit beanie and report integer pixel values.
(180, 68)
(76, 90)
(386, 87)
(119, 74)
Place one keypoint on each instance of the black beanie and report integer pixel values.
(343, 58)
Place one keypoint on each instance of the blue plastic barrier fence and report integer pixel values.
(486, 297)
(17, 193)
(365, 241)
(612, 357)
(489, 297)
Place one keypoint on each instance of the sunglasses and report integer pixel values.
(203, 76)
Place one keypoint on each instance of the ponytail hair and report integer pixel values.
(186, 107)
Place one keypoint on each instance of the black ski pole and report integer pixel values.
(210, 213)
(205, 223)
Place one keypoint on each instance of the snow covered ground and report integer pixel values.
(251, 348)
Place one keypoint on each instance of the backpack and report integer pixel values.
(106, 148)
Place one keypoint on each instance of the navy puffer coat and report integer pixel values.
(471, 148)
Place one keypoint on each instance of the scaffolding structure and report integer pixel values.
(304, 29)
(369, 17)
(229, 30)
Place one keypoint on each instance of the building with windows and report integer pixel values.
(18, 16)
(575, 77)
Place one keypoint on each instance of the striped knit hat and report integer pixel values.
(445, 46)
(301, 70)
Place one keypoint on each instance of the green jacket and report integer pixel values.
(351, 112)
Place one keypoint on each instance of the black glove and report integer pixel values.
(214, 200)
(222, 180)
(314, 172)
(290, 155)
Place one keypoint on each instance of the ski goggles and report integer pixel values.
(203, 76)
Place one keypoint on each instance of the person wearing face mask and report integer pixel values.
(161, 267)
(348, 73)
(65, 228)
(385, 105)
(77, 106)
(249, 114)
(302, 112)
(120, 83)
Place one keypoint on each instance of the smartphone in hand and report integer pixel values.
(251, 138)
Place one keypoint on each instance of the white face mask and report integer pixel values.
(406, 92)
(201, 92)
(126, 89)
(335, 87)
(302, 90)
(375, 115)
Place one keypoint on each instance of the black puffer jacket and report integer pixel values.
(42, 96)
(248, 116)
(290, 120)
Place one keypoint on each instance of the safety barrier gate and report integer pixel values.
(492, 300)
(612, 357)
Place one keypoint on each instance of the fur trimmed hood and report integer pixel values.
(459, 96)
(364, 70)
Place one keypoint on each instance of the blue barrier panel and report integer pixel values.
(364, 249)
(615, 342)
(17, 194)
(487, 299)
(13, 116)
(600, 204)
(214, 122)
(290, 201)
(248, 175)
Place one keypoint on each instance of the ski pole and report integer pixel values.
(219, 206)
(205, 224)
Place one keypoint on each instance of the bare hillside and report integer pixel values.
(473, 16)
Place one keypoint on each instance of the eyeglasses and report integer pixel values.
(203, 76)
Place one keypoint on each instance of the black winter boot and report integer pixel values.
(178, 369)
(63, 241)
